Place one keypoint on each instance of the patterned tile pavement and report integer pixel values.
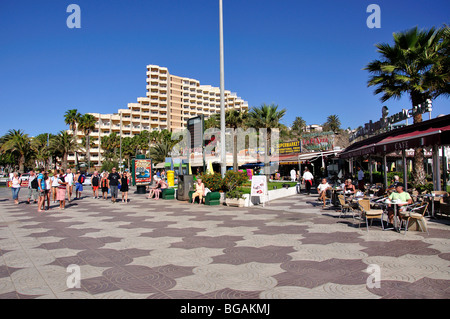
(289, 249)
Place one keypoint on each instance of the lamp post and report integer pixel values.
(222, 97)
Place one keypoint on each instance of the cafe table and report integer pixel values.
(395, 203)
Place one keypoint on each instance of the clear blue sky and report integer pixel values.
(305, 56)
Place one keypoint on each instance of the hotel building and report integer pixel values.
(170, 101)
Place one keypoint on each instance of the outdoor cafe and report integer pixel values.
(432, 136)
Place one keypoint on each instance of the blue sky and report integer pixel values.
(305, 56)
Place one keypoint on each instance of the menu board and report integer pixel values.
(259, 185)
(143, 171)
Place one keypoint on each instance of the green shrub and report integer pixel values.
(232, 180)
(212, 181)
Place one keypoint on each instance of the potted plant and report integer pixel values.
(231, 182)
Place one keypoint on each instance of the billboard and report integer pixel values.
(143, 171)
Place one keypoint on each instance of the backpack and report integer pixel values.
(34, 183)
(81, 179)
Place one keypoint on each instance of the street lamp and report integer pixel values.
(223, 164)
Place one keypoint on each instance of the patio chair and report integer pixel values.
(368, 213)
(418, 214)
(345, 207)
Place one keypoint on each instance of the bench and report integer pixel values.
(168, 193)
(211, 199)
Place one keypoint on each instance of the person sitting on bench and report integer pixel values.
(199, 191)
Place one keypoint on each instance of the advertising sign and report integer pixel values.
(143, 171)
(259, 185)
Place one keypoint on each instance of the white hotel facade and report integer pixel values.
(170, 101)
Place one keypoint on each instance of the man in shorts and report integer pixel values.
(41, 190)
(95, 182)
(114, 181)
(69, 178)
(32, 187)
(79, 179)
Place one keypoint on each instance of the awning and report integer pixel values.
(423, 134)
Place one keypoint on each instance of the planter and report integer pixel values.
(235, 202)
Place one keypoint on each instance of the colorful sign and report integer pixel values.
(318, 141)
(143, 171)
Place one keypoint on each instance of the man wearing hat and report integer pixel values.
(400, 195)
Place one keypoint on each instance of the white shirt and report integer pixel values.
(293, 174)
(15, 182)
(69, 178)
(323, 187)
(307, 176)
(55, 182)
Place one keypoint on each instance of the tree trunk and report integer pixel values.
(235, 160)
(419, 175)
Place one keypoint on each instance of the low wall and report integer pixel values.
(273, 194)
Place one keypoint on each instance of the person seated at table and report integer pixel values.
(322, 190)
(400, 195)
(394, 184)
(199, 191)
(349, 188)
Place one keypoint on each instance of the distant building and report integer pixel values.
(170, 101)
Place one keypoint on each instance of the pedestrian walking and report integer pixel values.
(55, 184)
(32, 187)
(307, 179)
(41, 190)
(104, 184)
(16, 182)
(114, 181)
(62, 188)
(48, 186)
(95, 182)
(124, 187)
(69, 178)
(79, 180)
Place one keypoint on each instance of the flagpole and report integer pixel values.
(223, 164)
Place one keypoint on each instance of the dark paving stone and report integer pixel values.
(243, 255)
(207, 242)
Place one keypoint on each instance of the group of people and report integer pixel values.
(44, 188)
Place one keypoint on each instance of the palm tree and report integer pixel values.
(72, 118)
(87, 124)
(333, 123)
(40, 146)
(414, 65)
(235, 119)
(18, 143)
(298, 126)
(159, 152)
(110, 143)
(63, 144)
(128, 149)
(267, 117)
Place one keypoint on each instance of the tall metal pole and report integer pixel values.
(223, 164)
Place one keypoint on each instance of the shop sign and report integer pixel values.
(385, 121)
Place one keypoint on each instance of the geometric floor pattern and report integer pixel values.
(167, 249)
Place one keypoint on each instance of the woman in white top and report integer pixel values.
(15, 186)
(322, 190)
(55, 184)
(48, 185)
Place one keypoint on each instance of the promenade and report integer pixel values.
(168, 249)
